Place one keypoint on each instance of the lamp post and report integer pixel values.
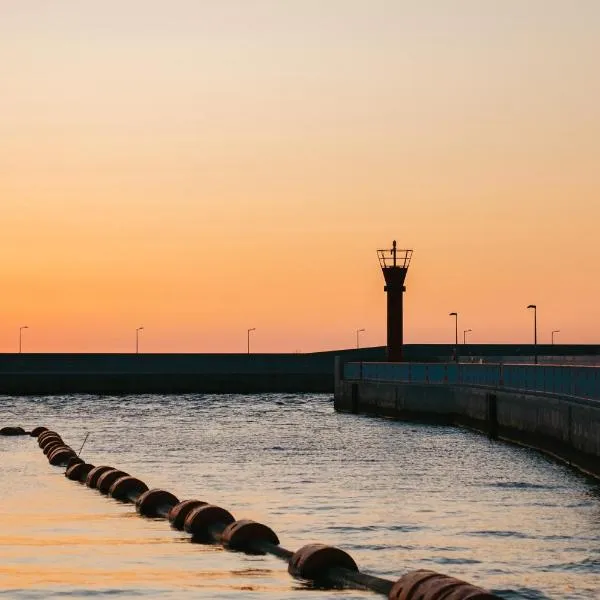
(21, 337)
(249, 330)
(455, 315)
(555, 331)
(465, 335)
(534, 306)
(137, 339)
(357, 343)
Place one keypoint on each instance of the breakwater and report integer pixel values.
(40, 374)
(553, 409)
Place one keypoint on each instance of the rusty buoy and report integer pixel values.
(12, 431)
(52, 450)
(313, 561)
(106, 480)
(74, 460)
(429, 585)
(127, 489)
(179, 512)
(201, 520)
(35, 432)
(61, 456)
(48, 437)
(241, 535)
(51, 445)
(48, 440)
(52, 439)
(78, 472)
(46, 434)
(155, 503)
(94, 475)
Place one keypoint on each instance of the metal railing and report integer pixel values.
(576, 381)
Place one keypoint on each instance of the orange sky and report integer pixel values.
(199, 168)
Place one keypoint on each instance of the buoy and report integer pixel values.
(48, 439)
(155, 503)
(74, 460)
(313, 561)
(48, 448)
(45, 434)
(94, 475)
(12, 431)
(78, 472)
(246, 535)
(61, 456)
(179, 512)
(201, 521)
(52, 450)
(127, 489)
(429, 585)
(37, 430)
(106, 480)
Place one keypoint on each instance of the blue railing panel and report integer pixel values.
(351, 371)
(582, 382)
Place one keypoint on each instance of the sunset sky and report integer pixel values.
(200, 167)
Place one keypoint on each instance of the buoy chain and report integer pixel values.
(318, 563)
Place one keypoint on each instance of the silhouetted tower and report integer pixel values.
(394, 264)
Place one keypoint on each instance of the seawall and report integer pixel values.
(563, 426)
(34, 374)
(44, 374)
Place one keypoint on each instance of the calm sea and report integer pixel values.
(396, 496)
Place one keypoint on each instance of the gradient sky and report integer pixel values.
(200, 167)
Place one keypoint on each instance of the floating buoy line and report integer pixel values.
(319, 564)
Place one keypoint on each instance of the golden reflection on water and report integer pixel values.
(31, 576)
(56, 534)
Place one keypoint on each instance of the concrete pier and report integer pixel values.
(561, 417)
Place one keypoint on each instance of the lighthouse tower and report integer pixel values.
(394, 264)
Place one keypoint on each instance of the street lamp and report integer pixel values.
(465, 335)
(534, 306)
(357, 332)
(21, 337)
(555, 331)
(137, 339)
(249, 330)
(455, 315)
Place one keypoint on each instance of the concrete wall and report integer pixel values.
(317, 362)
(568, 429)
(33, 374)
